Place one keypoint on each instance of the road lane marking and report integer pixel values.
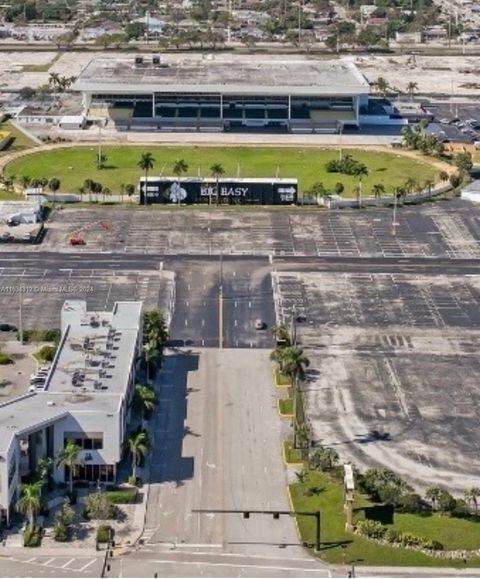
(241, 565)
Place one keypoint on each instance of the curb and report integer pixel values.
(292, 508)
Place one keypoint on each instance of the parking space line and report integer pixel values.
(67, 563)
(87, 565)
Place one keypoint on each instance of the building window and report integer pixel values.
(92, 473)
(88, 442)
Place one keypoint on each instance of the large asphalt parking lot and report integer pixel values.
(395, 366)
(41, 292)
(445, 228)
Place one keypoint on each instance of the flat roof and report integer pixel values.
(90, 372)
(219, 75)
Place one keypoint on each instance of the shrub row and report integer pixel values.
(52, 335)
(375, 530)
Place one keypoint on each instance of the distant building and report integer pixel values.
(86, 399)
(215, 94)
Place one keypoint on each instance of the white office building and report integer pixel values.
(86, 399)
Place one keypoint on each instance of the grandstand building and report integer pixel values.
(213, 94)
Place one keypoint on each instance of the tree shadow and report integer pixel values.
(327, 545)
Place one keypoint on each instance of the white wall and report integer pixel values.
(108, 424)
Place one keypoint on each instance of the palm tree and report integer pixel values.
(25, 181)
(106, 192)
(360, 171)
(146, 163)
(378, 190)
(281, 334)
(138, 445)
(151, 354)
(180, 167)
(68, 456)
(145, 399)
(54, 186)
(471, 496)
(381, 85)
(412, 86)
(30, 502)
(410, 184)
(43, 470)
(429, 183)
(294, 362)
(217, 170)
(433, 494)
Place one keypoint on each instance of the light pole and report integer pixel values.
(220, 303)
(394, 220)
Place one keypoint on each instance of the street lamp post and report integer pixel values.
(394, 220)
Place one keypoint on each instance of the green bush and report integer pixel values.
(410, 503)
(52, 335)
(98, 506)
(371, 529)
(46, 353)
(426, 543)
(5, 359)
(122, 496)
(60, 532)
(391, 536)
(104, 533)
(32, 536)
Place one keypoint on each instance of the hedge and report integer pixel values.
(5, 359)
(104, 533)
(122, 496)
(375, 530)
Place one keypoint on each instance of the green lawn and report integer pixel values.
(73, 166)
(452, 533)
(286, 406)
(292, 456)
(20, 141)
(281, 379)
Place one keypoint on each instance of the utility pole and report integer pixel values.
(220, 304)
(20, 316)
(293, 326)
(299, 22)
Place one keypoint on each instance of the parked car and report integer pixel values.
(7, 328)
